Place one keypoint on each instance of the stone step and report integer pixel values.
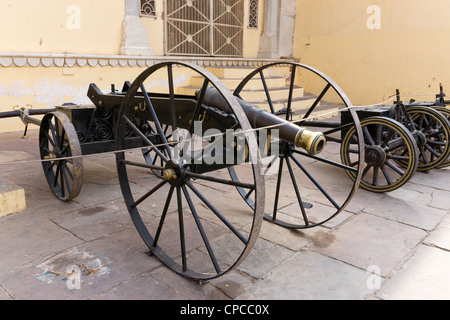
(298, 103)
(321, 112)
(12, 198)
(237, 73)
(242, 72)
(253, 84)
(276, 94)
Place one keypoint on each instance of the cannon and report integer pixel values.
(243, 135)
(398, 139)
(440, 105)
(404, 138)
(182, 155)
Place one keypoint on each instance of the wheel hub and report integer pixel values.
(173, 172)
(421, 139)
(375, 156)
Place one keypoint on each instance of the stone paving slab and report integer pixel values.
(423, 277)
(309, 276)
(407, 212)
(373, 241)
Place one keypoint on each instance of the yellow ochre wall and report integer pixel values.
(42, 35)
(57, 27)
(408, 49)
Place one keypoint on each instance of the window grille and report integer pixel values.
(148, 8)
(253, 14)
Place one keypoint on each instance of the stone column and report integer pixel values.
(134, 34)
(287, 28)
(277, 39)
(268, 43)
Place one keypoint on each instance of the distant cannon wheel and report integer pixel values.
(302, 190)
(186, 217)
(432, 132)
(446, 113)
(386, 141)
(58, 143)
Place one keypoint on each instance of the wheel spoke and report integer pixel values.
(395, 168)
(148, 194)
(378, 134)
(181, 228)
(386, 175)
(297, 193)
(171, 96)
(316, 183)
(53, 131)
(277, 190)
(366, 170)
(163, 217)
(217, 213)
(316, 102)
(61, 177)
(333, 163)
(433, 152)
(202, 231)
(55, 182)
(155, 118)
(198, 106)
(266, 90)
(142, 165)
(291, 91)
(368, 136)
(424, 156)
(66, 178)
(68, 170)
(143, 137)
(50, 140)
(219, 180)
(375, 175)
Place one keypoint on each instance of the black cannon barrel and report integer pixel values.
(312, 142)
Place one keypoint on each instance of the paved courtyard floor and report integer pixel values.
(384, 246)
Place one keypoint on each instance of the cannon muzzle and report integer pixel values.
(312, 142)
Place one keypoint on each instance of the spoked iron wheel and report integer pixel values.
(186, 218)
(432, 132)
(58, 143)
(446, 113)
(303, 190)
(386, 141)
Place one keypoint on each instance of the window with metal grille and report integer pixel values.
(253, 14)
(148, 8)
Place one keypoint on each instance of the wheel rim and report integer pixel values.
(58, 139)
(386, 141)
(316, 200)
(446, 113)
(434, 129)
(194, 232)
